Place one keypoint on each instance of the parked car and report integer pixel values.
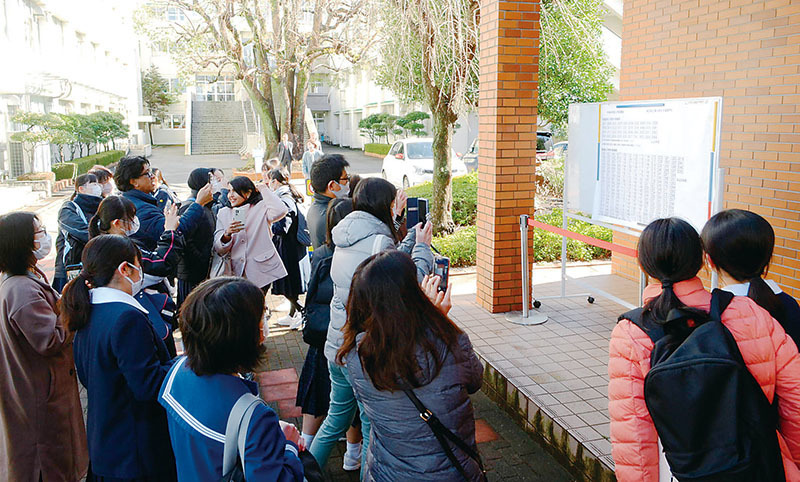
(544, 148)
(470, 159)
(410, 162)
(560, 150)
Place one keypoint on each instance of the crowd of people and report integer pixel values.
(385, 366)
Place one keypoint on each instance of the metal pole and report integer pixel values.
(525, 317)
(642, 286)
(526, 283)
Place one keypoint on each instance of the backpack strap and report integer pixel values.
(636, 316)
(236, 431)
(720, 300)
(79, 211)
(443, 434)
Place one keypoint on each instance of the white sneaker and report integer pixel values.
(290, 320)
(297, 324)
(351, 462)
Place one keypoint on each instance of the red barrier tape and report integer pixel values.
(586, 239)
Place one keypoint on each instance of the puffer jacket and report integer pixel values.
(357, 237)
(770, 355)
(402, 446)
(74, 224)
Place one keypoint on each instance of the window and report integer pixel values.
(212, 88)
(175, 14)
(173, 121)
(13, 126)
(420, 150)
(315, 87)
(176, 86)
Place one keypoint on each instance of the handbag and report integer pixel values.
(443, 434)
(220, 266)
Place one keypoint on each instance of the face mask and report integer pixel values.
(216, 186)
(134, 227)
(343, 191)
(108, 188)
(95, 190)
(45, 245)
(136, 286)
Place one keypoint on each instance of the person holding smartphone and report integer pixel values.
(244, 232)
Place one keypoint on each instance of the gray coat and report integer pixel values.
(357, 237)
(402, 446)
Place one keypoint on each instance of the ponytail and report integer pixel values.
(740, 243)
(762, 294)
(670, 251)
(282, 176)
(101, 258)
(111, 208)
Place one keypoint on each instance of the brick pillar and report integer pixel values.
(509, 65)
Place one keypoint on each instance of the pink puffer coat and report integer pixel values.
(770, 355)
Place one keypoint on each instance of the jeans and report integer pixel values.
(340, 415)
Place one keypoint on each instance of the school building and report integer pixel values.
(746, 51)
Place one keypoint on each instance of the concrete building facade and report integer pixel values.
(63, 57)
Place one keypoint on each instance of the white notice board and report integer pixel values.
(632, 162)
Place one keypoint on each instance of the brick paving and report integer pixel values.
(508, 452)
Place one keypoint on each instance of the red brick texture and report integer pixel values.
(509, 64)
(748, 52)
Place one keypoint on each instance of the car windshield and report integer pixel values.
(420, 150)
(543, 142)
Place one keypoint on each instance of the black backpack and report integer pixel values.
(317, 312)
(713, 419)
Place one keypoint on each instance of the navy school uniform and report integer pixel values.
(197, 412)
(122, 362)
(790, 321)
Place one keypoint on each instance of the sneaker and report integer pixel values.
(297, 324)
(290, 320)
(351, 462)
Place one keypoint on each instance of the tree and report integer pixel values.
(410, 124)
(108, 126)
(155, 95)
(271, 48)
(432, 58)
(572, 64)
(378, 125)
(37, 131)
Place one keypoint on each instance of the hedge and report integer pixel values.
(381, 149)
(547, 245)
(460, 246)
(65, 170)
(465, 197)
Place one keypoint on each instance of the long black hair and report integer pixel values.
(83, 180)
(740, 243)
(17, 243)
(101, 257)
(282, 176)
(111, 208)
(337, 210)
(388, 304)
(375, 196)
(242, 185)
(670, 250)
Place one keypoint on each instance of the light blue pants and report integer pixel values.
(340, 416)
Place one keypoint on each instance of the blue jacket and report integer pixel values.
(198, 409)
(72, 224)
(151, 218)
(122, 363)
(402, 446)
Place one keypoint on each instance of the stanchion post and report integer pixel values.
(526, 282)
(525, 317)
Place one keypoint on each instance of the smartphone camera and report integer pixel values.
(441, 268)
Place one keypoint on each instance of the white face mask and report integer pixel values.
(93, 189)
(216, 186)
(343, 191)
(45, 245)
(108, 188)
(134, 227)
(136, 286)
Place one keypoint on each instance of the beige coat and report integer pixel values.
(40, 411)
(253, 255)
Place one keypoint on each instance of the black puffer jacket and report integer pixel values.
(196, 260)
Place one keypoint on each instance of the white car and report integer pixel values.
(410, 162)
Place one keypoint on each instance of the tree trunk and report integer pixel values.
(263, 106)
(113, 144)
(299, 107)
(150, 131)
(442, 172)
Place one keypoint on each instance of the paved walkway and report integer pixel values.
(508, 452)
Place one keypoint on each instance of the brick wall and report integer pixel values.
(748, 52)
(509, 61)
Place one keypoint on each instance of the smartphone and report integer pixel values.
(416, 211)
(441, 268)
(73, 270)
(239, 214)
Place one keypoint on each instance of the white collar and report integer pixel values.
(741, 289)
(105, 294)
